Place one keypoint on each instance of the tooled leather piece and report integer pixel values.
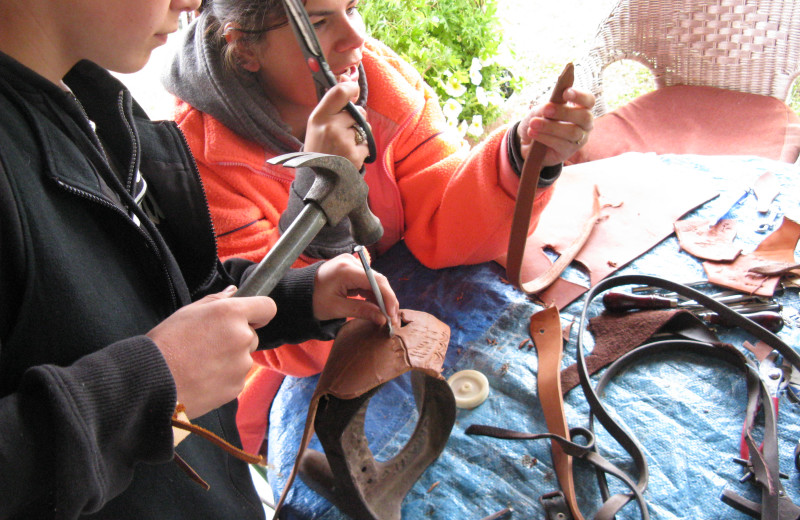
(619, 333)
(777, 247)
(704, 239)
(363, 357)
(634, 188)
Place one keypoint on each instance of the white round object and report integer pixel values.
(470, 388)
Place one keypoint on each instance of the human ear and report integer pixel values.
(243, 50)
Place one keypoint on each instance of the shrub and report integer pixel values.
(457, 47)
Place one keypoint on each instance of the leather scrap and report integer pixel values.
(634, 188)
(777, 247)
(618, 333)
(704, 239)
(364, 357)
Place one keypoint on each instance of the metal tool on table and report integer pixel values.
(775, 374)
(338, 191)
(321, 72)
(763, 312)
(374, 284)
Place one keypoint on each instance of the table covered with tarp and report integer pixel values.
(686, 410)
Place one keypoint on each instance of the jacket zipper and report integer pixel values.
(116, 209)
(196, 174)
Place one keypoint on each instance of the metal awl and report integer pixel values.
(374, 284)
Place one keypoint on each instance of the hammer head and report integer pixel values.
(339, 191)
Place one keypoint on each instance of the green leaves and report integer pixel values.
(457, 47)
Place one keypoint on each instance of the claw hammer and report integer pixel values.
(338, 191)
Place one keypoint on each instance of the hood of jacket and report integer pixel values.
(198, 76)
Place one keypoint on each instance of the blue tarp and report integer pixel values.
(686, 411)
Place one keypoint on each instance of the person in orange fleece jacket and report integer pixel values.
(244, 95)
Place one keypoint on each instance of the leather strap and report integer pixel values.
(526, 193)
(545, 332)
(775, 504)
(764, 463)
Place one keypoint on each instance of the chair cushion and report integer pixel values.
(696, 120)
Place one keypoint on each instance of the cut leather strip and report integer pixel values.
(545, 332)
(363, 357)
(526, 193)
(182, 428)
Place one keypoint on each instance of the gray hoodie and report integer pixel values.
(198, 76)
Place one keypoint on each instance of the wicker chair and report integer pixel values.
(750, 46)
(745, 45)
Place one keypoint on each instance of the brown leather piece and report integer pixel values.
(777, 247)
(545, 331)
(362, 358)
(633, 188)
(526, 193)
(619, 333)
(706, 240)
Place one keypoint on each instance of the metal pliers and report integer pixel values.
(323, 77)
(776, 375)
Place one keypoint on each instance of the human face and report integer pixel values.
(282, 69)
(120, 34)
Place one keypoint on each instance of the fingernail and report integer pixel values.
(549, 111)
(229, 289)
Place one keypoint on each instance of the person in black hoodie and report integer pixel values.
(114, 306)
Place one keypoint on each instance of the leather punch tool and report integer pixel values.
(374, 284)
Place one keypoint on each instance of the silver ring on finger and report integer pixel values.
(360, 136)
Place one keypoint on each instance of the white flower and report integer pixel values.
(475, 75)
(475, 65)
(462, 128)
(495, 98)
(476, 127)
(480, 95)
(451, 108)
(453, 86)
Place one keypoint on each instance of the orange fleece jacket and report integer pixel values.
(451, 205)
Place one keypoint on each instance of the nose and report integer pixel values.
(186, 5)
(353, 34)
